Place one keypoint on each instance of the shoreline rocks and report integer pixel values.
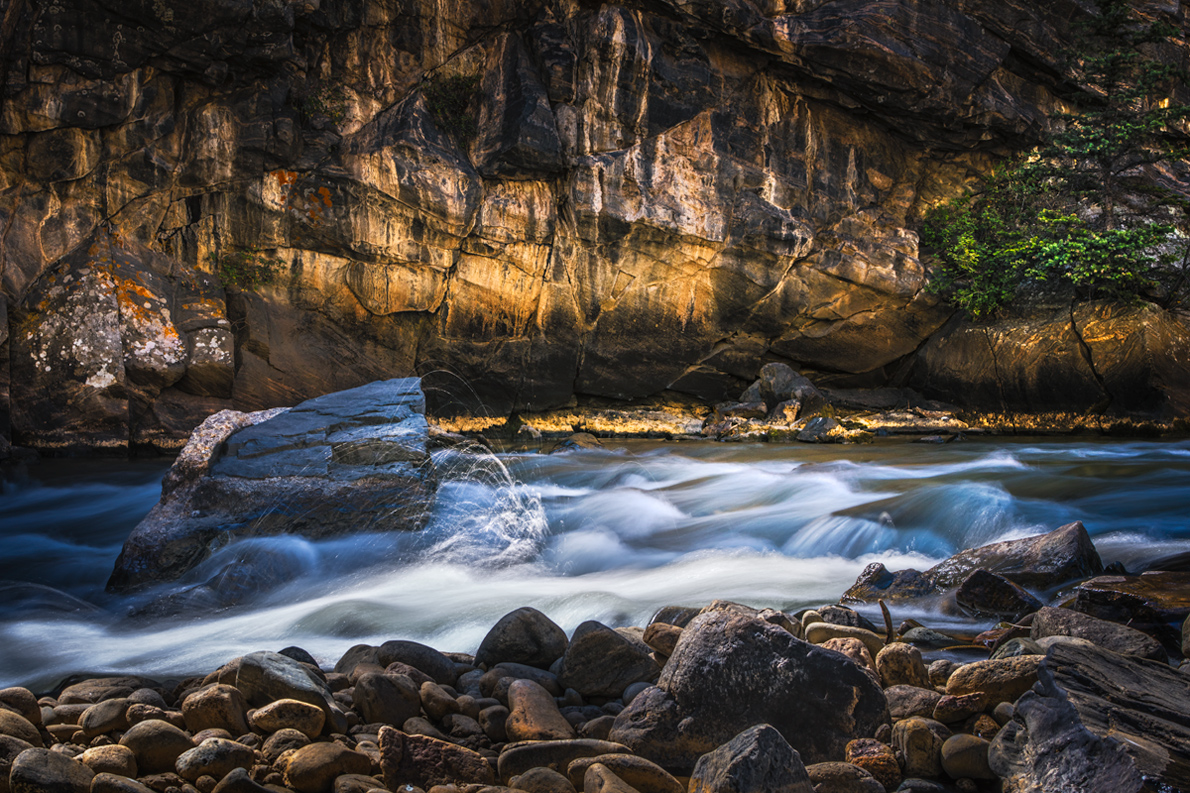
(739, 703)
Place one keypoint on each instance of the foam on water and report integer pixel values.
(605, 535)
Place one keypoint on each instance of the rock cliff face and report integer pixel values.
(637, 197)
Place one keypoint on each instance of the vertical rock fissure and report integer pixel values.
(1085, 350)
(999, 378)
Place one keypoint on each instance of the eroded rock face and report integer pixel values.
(653, 198)
(343, 462)
(1097, 721)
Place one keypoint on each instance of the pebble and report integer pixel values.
(1001, 680)
(215, 757)
(289, 714)
(219, 706)
(907, 701)
(156, 744)
(819, 632)
(855, 650)
(104, 717)
(436, 702)
(900, 664)
(519, 758)
(953, 709)
(138, 712)
(313, 768)
(387, 699)
(600, 779)
(40, 770)
(115, 783)
(113, 759)
(639, 773)
(919, 741)
(542, 780)
(533, 714)
(940, 672)
(23, 702)
(877, 759)
(966, 757)
(523, 636)
(18, 726)
(282, 741)
(835, 777)
(425, 762)
(662, 638)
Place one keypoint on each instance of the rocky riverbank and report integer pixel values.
(723, 697)
(783, 405)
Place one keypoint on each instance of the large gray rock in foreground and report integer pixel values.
(1097, 722)
(351, 461)
(731, 671)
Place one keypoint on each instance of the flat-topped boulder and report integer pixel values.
(346, 462)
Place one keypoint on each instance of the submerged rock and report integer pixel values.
(1097, 722)
(350, 461)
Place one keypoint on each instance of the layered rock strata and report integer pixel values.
(632, 199)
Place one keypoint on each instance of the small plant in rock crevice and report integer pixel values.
(247, 268)
(449, 101)
(325, 100)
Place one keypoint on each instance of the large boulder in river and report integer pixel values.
(1097, 722)
(1041, 562)
(350, 461)
(731, 671)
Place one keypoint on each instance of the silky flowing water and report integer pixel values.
(608, 535)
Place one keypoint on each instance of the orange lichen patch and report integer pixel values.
(284, 177)
(326, 195)
(204, 305)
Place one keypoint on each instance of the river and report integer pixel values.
(608, 535)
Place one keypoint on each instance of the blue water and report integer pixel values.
(609, 535)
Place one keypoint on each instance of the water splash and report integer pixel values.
(607, 535)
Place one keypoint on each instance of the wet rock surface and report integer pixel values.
(344, 462)
(740, 703)
(1045, 561)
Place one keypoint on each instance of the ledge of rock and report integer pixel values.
(1097, 722)
(1044, 561)
(350, 461)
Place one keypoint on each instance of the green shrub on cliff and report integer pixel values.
(247, 268)
(449, 102)
(1083, 207)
